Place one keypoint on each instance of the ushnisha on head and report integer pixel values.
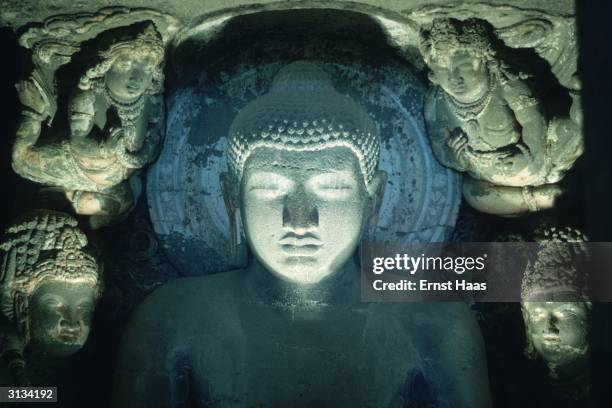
(303, 170)
(303, 112)
(49, 283)
(129, 63)
(554, 300)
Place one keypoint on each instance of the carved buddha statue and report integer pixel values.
(556, 309)
(115, 126)
(484, 118)
(49, 285)
(290, 330)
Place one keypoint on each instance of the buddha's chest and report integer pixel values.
(333, 364)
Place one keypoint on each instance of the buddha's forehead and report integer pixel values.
(286, 161)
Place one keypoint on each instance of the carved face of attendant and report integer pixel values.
(304, 211)
(557, 330)
(61, 314)
(130, 75)
(462, 75)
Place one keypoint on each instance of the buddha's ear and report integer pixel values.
(376, 192)
(229, 192)
(230, 198)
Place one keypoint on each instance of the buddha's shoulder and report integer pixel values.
(182, 298)
(429, 317)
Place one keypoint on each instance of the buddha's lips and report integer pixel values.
(300, 241)
(300, 245)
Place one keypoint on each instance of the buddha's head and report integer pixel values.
(50, 284)
(303, 166)
(129, 63)
(460, 55)
(555, 307)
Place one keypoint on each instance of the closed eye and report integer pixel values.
(266, 185)
(263, 187)
(346, 187)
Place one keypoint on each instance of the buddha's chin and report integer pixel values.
(302, 270)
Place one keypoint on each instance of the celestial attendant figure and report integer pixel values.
(290, 330)
(483, 118)
(49, 285)
(556, 311)
(115, 126)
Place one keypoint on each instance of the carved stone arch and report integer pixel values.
(396, 27)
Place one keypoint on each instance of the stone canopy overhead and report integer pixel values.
(18, 13)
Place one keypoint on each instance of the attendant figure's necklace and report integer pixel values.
(128, 112)
(471, 110)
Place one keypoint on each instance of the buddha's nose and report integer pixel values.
(300, 214)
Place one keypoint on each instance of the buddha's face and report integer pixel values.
(303, 211)
(558, 330)
(130, 75)
(60, 316)
(461, 75)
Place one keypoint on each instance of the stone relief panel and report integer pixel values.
(551, 36)
(486, 117)
(114, 113)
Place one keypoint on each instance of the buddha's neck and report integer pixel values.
(304, 301)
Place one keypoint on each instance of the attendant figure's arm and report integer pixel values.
(523, 163)
(26, 158)
(81, 117)
(441, 133)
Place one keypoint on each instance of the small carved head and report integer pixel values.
(49, 283)
(554, 301)
(129, 63)
(303, 169)
(460, 54)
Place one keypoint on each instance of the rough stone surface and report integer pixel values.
(16, 13)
